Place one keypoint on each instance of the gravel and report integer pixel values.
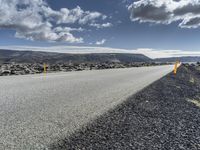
(165, 115)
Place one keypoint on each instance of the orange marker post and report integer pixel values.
(175, 67)
(45, 68)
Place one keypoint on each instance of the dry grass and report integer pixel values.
(196, 102)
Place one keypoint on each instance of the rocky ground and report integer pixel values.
(34, 68)
(165, 115)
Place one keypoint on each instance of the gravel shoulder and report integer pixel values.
(165, 115)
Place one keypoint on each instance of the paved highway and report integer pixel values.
(37, 110)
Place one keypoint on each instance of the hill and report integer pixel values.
(182, 59)
(9, 56)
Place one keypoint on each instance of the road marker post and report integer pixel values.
(45, 68)
(176, 67)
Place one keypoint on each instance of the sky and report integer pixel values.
(156, 28)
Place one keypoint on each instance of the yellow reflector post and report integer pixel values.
(45, 68)
(175, 67)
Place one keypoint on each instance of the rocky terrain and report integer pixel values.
(14, 62)
(34, 68)
(165, 115)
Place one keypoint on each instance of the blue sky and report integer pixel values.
(121, 24)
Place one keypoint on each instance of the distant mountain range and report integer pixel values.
(182, 59)
(8, 56)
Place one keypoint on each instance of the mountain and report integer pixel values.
(182, 59)
(9, 56)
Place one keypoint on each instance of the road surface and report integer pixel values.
(37, 110)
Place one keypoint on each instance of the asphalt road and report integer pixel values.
(37, 110)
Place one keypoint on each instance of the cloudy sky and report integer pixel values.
(158, 28)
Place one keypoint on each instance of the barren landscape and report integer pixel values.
(99, 75)
(14, 62)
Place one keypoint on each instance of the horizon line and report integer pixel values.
(151, 53)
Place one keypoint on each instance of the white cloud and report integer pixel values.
(67, 29)
(89, 17)
(72, 16)
(35, 20)
(101, 42)
(99, 26)
(69, 49)
(152, 53)
(187, 12)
